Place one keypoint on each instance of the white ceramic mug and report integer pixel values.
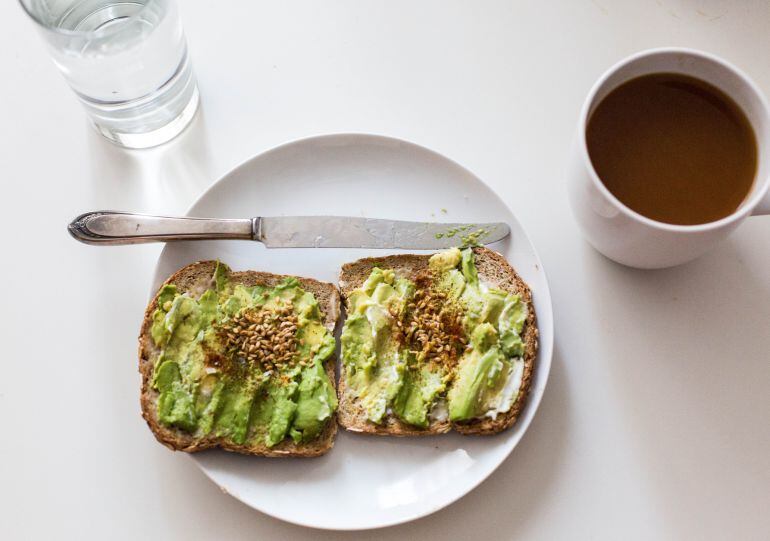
(625, 235)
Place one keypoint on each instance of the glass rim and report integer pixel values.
(83, 33)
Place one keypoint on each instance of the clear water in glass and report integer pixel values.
(126, 61)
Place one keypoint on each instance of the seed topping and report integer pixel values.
(262, 336)
(433, 326)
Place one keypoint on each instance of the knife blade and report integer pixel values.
(351, 232)
(114, 227)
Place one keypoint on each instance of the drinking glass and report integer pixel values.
(126, 61)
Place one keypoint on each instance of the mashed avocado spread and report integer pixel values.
(243, 363)
(443, 344)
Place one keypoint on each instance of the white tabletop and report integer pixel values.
(654, 424)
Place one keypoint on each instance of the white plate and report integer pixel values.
(364, 481)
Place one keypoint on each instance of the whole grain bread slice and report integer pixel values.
(195, 279)
(492, 269)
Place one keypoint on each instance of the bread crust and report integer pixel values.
(195, 279)
(492, 268)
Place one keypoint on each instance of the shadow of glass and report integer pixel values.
(164, 179)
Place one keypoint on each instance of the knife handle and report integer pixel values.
(111, 227)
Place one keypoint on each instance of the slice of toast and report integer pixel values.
(195, 279)
(493, 269)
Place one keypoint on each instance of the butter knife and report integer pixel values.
(112, 227)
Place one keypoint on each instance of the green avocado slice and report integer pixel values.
(232, 419)
(315, 404)
(472, 379)
(416, 396)
(282, 416)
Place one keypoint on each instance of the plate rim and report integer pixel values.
(534, 399)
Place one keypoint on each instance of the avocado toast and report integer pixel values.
(240, 360)
(435, 343)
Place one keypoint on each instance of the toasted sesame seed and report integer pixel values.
(263, 336)
(432, 328)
